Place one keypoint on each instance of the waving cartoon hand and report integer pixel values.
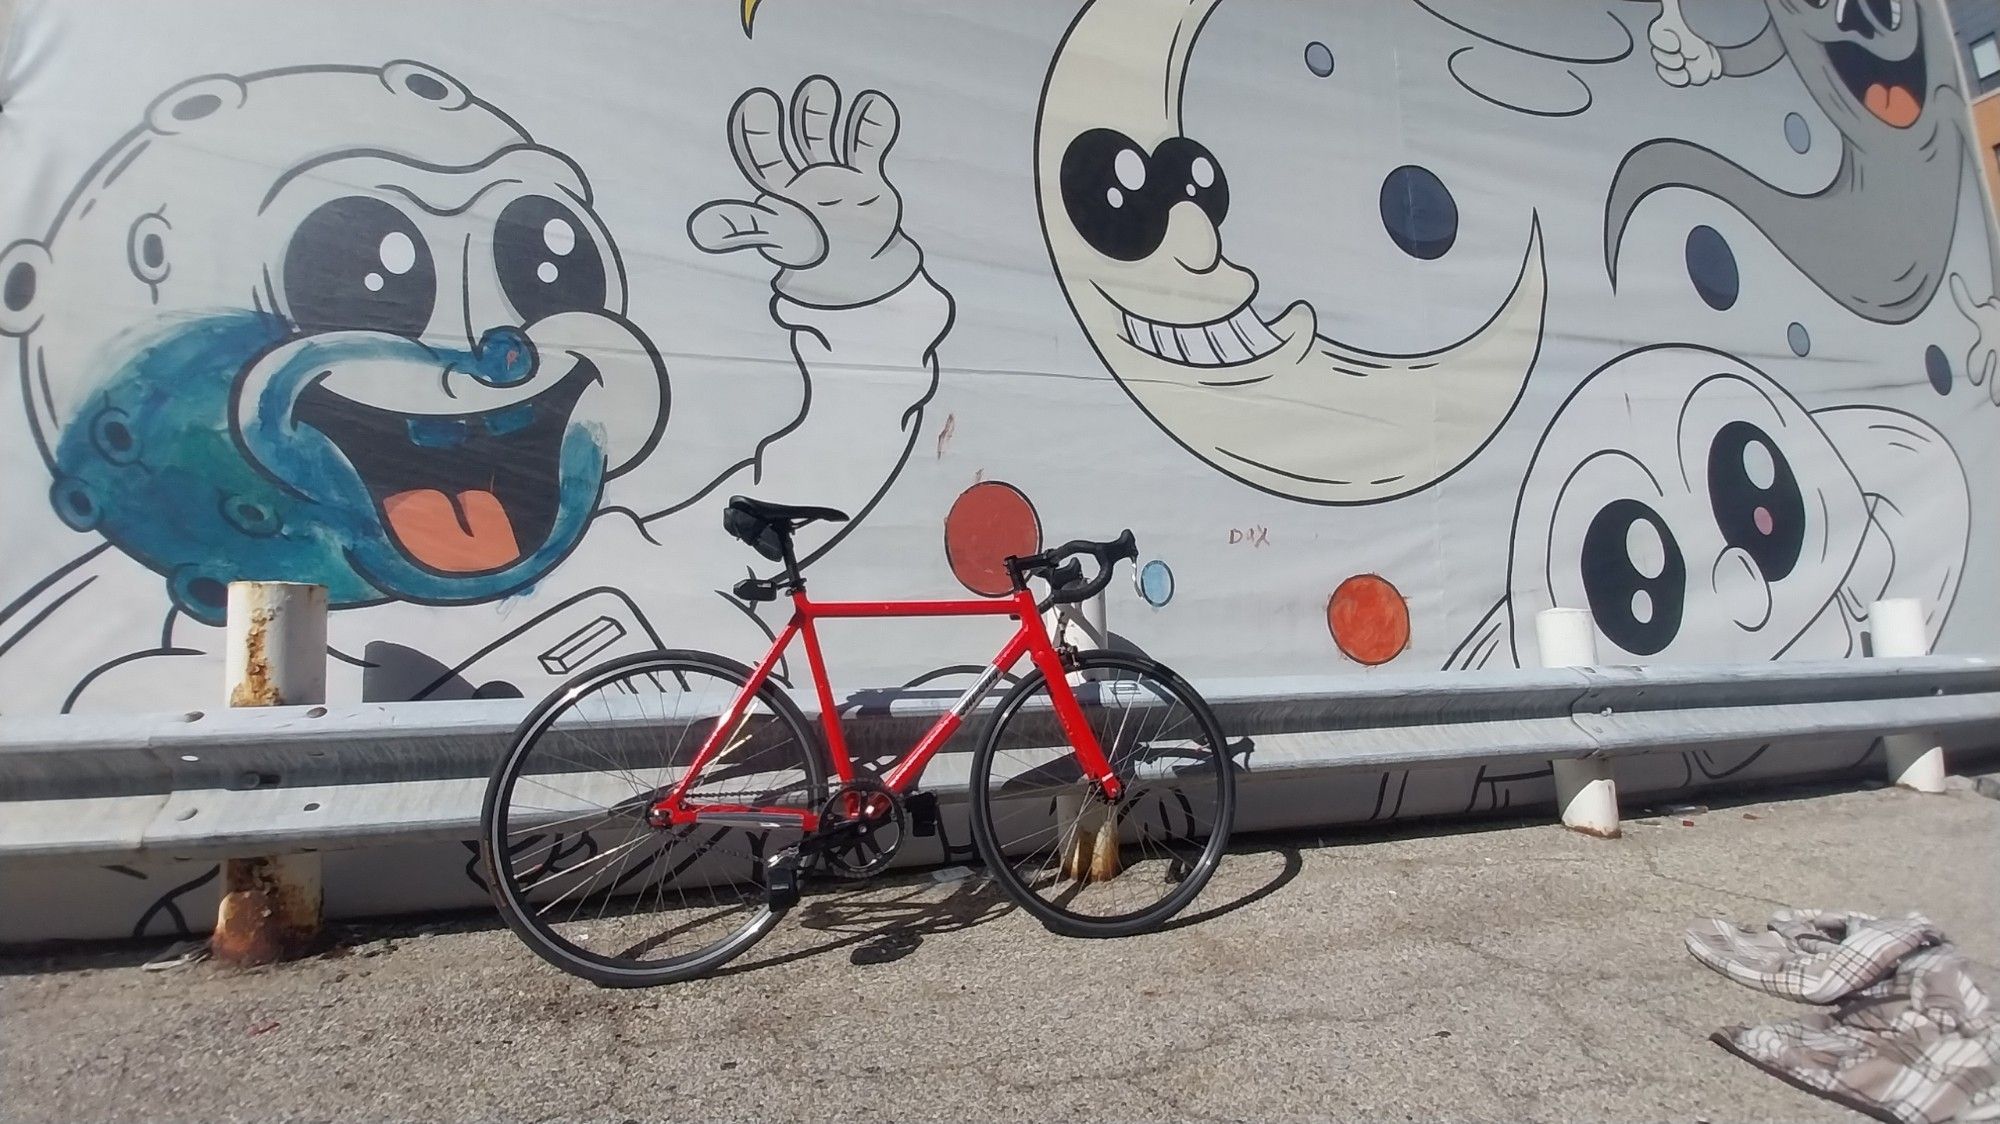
(824, 212)
(1683, 58)
(1982, 363)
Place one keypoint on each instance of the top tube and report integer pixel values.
(1010, 606)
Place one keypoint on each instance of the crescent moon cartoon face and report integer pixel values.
(1133, 211)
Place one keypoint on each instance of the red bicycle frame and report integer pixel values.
(1031, 639)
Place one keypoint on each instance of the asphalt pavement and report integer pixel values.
(1464, 972)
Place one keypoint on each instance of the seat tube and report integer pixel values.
(829, 714)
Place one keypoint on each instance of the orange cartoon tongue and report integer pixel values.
(1894, 105)
(466, 536)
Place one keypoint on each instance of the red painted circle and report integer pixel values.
(988, 522)
(1369, 619)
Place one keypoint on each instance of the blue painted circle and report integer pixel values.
(1938, 367)
(1319, 59)
(505, 357)
(75, 503)
(1156, 583)
(1711, 265)
(1798, 134)
(250, 517)
(1419, 212)
(1799, 338)
(111, 433)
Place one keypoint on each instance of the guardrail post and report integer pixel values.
(1896, 628)
(1585, 789)
(276, 657)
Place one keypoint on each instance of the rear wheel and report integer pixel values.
(1082, 866)
(572, 862)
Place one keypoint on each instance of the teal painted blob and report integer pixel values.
(153, 464)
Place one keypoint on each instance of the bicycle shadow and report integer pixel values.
(885, 921)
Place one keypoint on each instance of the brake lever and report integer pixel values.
(1059, 579)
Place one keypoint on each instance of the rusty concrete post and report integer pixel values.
(276, 657)
(1586, 791)
(1896, 629)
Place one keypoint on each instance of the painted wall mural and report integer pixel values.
(1679, 310)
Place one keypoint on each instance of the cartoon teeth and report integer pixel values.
(1235, 339)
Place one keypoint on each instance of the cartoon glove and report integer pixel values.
(1683, 58)
(825, 214)
(1982, 363)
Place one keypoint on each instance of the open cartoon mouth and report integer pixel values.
(459, 493)
(1892, 89)
(1239, 337)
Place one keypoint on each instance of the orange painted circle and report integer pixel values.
(988, 522)
(1369, 619)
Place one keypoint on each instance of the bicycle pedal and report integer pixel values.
(781, 879)
(923, 809)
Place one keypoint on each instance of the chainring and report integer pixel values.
(861, 827)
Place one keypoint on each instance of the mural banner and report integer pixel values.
(1383, 326)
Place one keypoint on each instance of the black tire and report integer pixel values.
(1029, 796)
(625, 760)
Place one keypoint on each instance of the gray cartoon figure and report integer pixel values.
(1884, 72)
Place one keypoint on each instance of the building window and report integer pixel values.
(1986, 57)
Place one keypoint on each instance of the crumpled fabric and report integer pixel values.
(1910, 1036)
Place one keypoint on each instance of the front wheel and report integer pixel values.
(1083, 866)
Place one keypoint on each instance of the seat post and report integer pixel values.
(792, 576)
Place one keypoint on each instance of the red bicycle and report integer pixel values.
(655, 816)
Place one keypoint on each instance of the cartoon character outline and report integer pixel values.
(1748, 529)
(393, 359)
(1885, 73)
(1131, 209)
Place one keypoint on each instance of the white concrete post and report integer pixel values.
(1896, 627)
(276, 656)
(1585, 789)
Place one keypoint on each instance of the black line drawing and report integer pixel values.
(1878, 236)
(428, 384)
(1171, 317)
(1747, 529)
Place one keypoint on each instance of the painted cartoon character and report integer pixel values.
(354, 326)
(1703, 515)
(1132, 208)
(1877, 237)
(383, 390)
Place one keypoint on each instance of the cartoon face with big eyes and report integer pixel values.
(1703, 515)
(1879, 53)
(342, 325)
(1133, 209)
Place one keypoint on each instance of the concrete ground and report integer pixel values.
(1480, 973)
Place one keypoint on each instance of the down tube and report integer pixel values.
(912, 765)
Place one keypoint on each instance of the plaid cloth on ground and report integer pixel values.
(1911, 1038)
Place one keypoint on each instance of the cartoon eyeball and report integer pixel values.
(1701, 513)
(414, 389)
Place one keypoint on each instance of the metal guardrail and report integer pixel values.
(260, 781)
